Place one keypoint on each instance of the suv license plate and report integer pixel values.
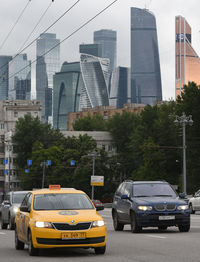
(166, 217)
(74, 235)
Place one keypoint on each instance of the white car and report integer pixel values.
(194, 202)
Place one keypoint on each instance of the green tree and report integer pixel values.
(90, 123)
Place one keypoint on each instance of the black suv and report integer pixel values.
(149, 204)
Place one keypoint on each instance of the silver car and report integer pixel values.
(9, 207)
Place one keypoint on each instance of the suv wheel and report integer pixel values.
(134, 225)
(100, 250)
(3, 225)
(31, 249)
(117, 225)
(185, 228)
(191, 209)
(18, 244)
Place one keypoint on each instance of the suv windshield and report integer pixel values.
(61, 202)
(17, 198)
(153, 189)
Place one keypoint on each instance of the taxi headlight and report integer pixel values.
(16, 209)
(43, 224)
(99, 223)
(145, 208)
(182, 207)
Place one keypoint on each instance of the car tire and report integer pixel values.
(134, 225)
(184, 228)
(18, 244)
(162, 227)
(3, 225)
(116, 224)
(11, 224)
(31, 249)
(100, 250)
(192, 211)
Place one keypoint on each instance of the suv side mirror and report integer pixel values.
(182, 195)
(6, 203)
(124, 197)
(100, 208)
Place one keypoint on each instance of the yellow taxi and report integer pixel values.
(59, 217)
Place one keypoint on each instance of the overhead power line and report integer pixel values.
(43, 32)
(9, 33)
(74, 32)
(35, 27)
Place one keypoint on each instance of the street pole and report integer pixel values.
(43, 174)
(93, 168)
(183, 121)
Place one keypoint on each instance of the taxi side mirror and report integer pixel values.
(24, 209)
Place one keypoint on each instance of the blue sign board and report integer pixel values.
(5, 161)
(5, 171)
(72, 162)
(29, 162)
(48, 162)
(26, 170)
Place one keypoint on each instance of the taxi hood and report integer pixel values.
(66, 215)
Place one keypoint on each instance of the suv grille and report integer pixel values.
(163, 207)
(66, 226)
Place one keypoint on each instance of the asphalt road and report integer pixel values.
(150, 245)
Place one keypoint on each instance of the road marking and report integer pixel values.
(154, 236)
(1, 233)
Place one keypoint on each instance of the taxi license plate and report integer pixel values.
(74, 235)
(166, 217)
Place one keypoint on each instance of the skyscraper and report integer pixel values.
(120, 92)
(187, 60)
(108, 41)
(48, 62)
(91, 49)
(4, 60)
(145, 64)
(67, 87)
(95, 73)
(19, 87)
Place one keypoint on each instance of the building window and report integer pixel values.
(15, 114)
(2, 125)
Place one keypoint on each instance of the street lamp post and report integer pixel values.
(183, 121)
(93, 155)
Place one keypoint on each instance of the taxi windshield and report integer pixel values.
(63, 201)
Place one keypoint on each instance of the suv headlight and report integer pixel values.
(99, 223)
(43, 224)
(145, 208)
(182, 207)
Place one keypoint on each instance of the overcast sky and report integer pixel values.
(117, 17)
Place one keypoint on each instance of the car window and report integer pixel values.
(153, 189)
(64, 201)
(118, 191)
(127, 189)
(18, 197)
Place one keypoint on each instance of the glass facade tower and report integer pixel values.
(91, 49)
(108, 41)
(95, 73)
(67, 87)
(4, 62)
(120, 91)
(145, 63)
(48, 62)
(19, 87)
(187, 60)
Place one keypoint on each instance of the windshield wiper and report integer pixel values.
(162, 196)
(141, 196)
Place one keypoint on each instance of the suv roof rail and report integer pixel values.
(128, 180)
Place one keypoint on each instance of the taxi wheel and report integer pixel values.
(18, 244)
(117, 225)
(134, 225)
(100, 250)
(31, 250)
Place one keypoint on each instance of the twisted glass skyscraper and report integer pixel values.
(145, 64)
